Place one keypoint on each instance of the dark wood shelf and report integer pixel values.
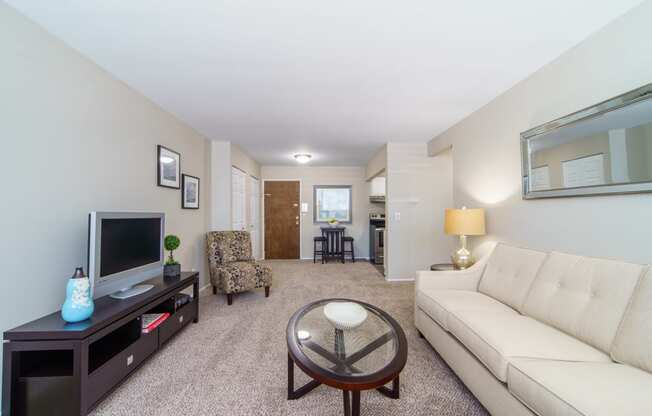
(107, 347)
(52, 366)
(44, 364)
(53, 327)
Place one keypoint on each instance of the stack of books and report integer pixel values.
(151, 320)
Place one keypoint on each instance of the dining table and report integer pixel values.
(334, 242)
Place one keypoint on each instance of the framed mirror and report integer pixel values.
(603, 149)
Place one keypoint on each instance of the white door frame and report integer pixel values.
(262, 210)
(255, 219)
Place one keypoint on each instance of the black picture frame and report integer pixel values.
(186, 203)
(162, 169)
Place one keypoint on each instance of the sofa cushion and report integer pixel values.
(584, 297)
(557, 388)
(497, 337)
(633, 343)
(509, 274)
(438, 304)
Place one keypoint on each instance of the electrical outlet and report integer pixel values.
(397, 216)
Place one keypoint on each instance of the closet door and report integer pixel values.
(238, 200)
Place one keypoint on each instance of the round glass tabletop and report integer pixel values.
(345, 338)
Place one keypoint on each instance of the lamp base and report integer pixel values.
(462, 258)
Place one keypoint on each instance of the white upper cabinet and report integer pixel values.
(377, 187)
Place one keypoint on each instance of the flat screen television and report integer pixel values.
(124, 249)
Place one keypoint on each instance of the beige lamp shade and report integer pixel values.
(464, 221)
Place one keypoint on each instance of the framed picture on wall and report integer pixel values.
(168, 167)
(189, 192)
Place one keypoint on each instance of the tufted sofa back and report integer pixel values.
(509, 274)
(633, 343)
(584, 297)
(228, 246)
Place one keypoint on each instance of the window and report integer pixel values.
(332, 201)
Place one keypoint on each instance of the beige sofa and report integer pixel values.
(544, 333)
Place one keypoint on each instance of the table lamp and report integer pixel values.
(464, 222)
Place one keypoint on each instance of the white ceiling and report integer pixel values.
(337, 78)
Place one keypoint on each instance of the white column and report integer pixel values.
(220, 185)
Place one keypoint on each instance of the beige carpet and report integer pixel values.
(235, 359)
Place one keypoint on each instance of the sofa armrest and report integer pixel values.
(467, 279)
(449, 280)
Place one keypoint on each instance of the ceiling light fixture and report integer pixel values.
(302, 157)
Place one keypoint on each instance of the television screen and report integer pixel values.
(127, 243)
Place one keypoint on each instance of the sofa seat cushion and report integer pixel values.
(439, 304)
(498, 337)
(580, 389)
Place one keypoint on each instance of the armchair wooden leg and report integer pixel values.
(266, 291)
(215, 290)
(229, 298)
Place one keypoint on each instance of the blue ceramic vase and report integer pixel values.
(79, 302)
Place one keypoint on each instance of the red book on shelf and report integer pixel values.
(152, 320)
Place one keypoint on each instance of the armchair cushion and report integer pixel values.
(228, 246)
(240, 276)
(231, 267)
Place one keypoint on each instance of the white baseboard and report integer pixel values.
(400, 279)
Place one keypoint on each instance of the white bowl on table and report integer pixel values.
(345, 315)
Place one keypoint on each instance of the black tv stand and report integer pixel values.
(55, 368)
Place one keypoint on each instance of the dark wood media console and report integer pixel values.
(54, 368)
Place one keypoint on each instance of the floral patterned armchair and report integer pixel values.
(231, 265)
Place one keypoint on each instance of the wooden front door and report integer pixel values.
(282, 214)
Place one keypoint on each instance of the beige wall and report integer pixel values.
(377, 164)
(486, 150)
(76, 140)
(242, 160)
(419, 189)
(220, 174)
(311, 176)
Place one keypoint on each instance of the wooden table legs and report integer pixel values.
(351, 398)
(351, 402)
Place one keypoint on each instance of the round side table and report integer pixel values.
(441, 267)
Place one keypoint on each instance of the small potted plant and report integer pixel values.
(172, 267)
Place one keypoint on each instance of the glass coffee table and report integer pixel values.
(346, 344)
